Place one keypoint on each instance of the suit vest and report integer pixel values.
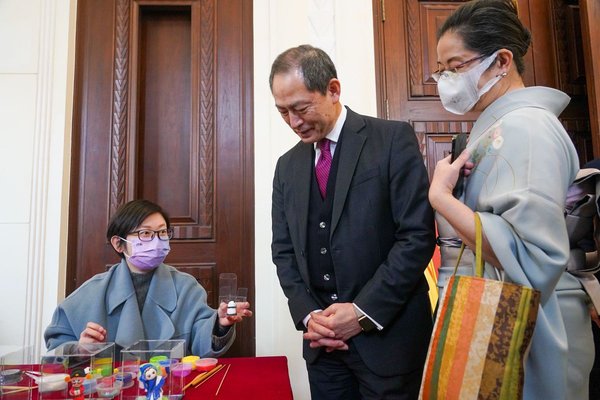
(320, 263)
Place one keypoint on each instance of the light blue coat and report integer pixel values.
(175, 308)
(524, 163)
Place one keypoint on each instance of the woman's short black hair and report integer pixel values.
(131, 215)
(490, 25)
(315, 65)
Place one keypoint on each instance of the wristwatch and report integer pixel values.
(365, 322)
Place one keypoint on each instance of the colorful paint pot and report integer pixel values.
(206, 364)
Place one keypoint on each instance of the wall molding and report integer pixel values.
(321, 25)
(38, 229)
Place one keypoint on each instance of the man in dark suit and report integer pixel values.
(350, 250)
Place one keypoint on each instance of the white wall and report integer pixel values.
(345, 30)
(35, 129)
(36, 74)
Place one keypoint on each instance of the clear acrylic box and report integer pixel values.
(16, 365)
(71, 371)
(157, 364)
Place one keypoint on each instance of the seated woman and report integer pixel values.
(142, 298)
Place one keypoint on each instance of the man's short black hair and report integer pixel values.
(314, 64)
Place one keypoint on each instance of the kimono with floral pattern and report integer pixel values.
(524, 163)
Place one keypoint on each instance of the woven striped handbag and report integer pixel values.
(480, 338)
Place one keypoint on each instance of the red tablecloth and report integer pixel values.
(248, 378)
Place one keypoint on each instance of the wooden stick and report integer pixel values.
(18, 387)
(195, 380)
(202, 376)
(222, 379)
(209, 375)
(15, 389)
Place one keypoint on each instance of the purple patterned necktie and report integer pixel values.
(323, 166)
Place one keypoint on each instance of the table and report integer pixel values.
(248, 378)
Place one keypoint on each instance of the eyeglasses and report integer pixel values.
(147, 235)
(445, 73)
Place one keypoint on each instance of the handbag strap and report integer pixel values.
(478, 247)
(478, 251)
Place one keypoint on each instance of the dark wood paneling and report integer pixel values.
(163, 111)
(439, 146)
(590, 28)
(437, 136)
(206, 275)
(565, 29)
(164, 131)
(235, 151)
(432, 18)
(569, 54)
(405, 48)
(90, 162)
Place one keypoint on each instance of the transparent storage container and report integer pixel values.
(17, 366)
(72, 370)
(152, 361)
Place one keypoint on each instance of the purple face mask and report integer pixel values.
(147, 256)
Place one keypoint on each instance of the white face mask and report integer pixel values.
(458, 91)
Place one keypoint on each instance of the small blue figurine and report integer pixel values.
(152, 381)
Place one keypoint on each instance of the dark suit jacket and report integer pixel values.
(382, 238)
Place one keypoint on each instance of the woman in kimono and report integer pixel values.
(141, 298)
(520, 162)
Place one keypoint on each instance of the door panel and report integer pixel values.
(590, 15)
(163, 111)
(164, 117)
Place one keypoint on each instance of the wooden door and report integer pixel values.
(163, 111)
(590, 29)
(405, 48)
